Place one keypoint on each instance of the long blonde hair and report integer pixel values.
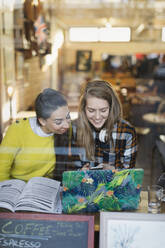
(103, 90)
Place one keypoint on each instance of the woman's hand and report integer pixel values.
(85, 167)
(100, 166)
(108, 167)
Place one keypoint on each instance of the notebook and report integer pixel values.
(105, 190)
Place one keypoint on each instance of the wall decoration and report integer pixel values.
(127, 230)
(83, 60)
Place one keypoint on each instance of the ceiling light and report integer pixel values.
(117, 34)
(94, 34)
(108, 23)
(140, 28)
(83, 34)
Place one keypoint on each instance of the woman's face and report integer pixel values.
(97, 111)
(58, 122)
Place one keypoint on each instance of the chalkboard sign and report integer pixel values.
(29, 230)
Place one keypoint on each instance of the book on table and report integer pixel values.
(39, 194)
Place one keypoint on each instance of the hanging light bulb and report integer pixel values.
(35, 2)
(108, 23)
(10, 91)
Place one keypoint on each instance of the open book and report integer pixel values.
(39, 194)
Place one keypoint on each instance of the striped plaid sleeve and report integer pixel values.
(129, 138)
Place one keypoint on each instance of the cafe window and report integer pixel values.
(95, 34)
(82, 34)
(115, 34)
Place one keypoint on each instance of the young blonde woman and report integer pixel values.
(101, 137)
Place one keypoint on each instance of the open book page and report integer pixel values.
(40, 194)
(58, 205)
(10, 191)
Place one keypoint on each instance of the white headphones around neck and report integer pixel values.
(102, 135)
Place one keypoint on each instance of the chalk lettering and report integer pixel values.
(18, 229)
(78, 225)
(1, 239)
(5, 243)
(27, 228)
(48, 229)
(6, 227)
(28, 233)
(37, 229)
(19, 243)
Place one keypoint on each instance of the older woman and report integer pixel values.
(27, 150)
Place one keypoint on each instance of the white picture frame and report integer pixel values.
(127, 230)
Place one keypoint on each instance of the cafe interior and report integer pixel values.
(63, 43)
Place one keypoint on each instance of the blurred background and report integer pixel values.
(63, 43)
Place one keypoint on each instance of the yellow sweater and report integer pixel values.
(24, 154)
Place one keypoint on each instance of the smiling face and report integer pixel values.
(97, 111)
(58, 122)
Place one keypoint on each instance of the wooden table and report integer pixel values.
(154, 118)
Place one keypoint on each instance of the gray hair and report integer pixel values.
(47, 102)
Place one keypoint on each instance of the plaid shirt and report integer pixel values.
(120, 153)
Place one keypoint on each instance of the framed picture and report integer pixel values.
(127, 230)
(83, 60)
